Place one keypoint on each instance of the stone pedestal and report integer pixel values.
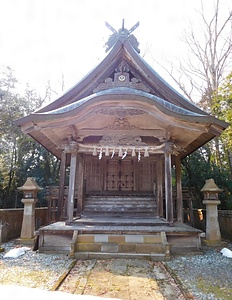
(29, 189)
(28, 226)
(1, 227)
(213, 233)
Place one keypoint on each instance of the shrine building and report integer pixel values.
(120, 133)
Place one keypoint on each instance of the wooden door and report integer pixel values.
(112, 175)
(126, 175)
(117, 175)
(120, 175)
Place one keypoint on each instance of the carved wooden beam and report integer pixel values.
(71, 147)
(215, 130)
(52, 136)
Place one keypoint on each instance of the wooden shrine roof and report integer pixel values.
(122, 96)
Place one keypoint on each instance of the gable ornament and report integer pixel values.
(122, 34)
(121, 78)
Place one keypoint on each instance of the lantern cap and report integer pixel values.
(210, 186)
(30, 185)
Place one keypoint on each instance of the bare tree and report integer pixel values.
(54, 92)
(208, 56)
(207, 61)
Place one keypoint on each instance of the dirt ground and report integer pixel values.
(124, 279)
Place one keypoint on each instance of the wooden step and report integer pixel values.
(116, 223)
(117, 205)
(118, 197)
(116, 209)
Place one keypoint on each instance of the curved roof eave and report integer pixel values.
(118, 51)
(130, 94)
(155, 77)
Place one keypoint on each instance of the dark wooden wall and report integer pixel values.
(120, 175)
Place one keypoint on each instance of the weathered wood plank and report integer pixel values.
(61, 186)
(159, 186)
(80, 184)
(71, 191)
(180, 216)
(168, 188)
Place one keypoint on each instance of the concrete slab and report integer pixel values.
(23, 293)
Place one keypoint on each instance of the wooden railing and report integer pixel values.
(187, 197)
(52, 196)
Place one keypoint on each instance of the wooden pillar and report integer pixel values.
(159, 185)
(72, 181)
(80, 184)
(168, 187)
(179, 191)
(61, 186)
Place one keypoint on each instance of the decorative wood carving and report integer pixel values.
(122, 67)
(122, 34)
(135, 84)
(120, 112)
(171, 148)
(72, 147)
(121, 78)
(121, 124)
(121, 140)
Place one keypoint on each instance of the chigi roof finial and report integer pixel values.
(122, 23)
(122, 33)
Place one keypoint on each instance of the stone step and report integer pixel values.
(153, 246)
(108, 255)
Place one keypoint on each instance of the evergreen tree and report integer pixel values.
(20, 156)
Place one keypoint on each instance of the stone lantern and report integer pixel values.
(30, 190)
(213, 234)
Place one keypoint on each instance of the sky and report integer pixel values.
(43, 40)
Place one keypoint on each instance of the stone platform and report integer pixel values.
(104, 237)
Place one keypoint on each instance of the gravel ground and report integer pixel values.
(207, 276)
(33, 269)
